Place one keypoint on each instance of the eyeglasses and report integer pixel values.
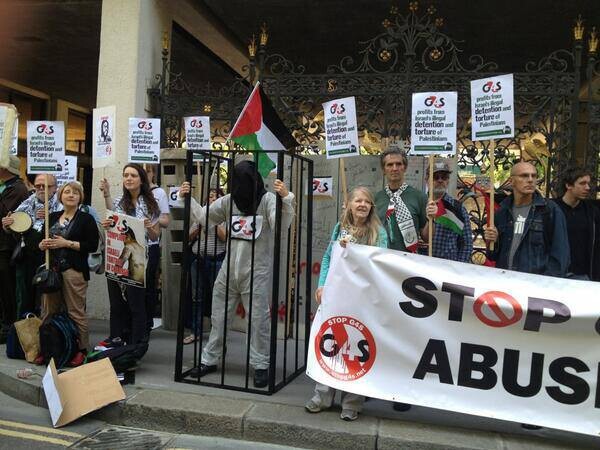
(40, 187)
(441, 176)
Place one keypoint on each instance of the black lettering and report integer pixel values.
(334, 351)
(410, 288)
(535, 313)
(457, 299)
(580, 388)
(468, 365)
(510, 374)
(435, 349)
(597, 402)
(363, 346)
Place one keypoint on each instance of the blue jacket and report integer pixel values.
(544, 248)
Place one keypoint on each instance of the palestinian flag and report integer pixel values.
(448, 216)
(260, 128)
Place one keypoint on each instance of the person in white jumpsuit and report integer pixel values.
(249, 200)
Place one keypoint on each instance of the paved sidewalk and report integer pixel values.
(156, 402)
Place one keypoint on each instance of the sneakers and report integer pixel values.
(314, 407)
(202, 370)
(348, 415)
(261, 378)
(77, 360)
(109, 343)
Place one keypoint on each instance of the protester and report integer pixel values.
(583, 224)
(402, 210)
(128, 303)
(27, 295)
(250, 247)
(12, 192)
(359, 225)
(73, 235)
(529, 232)
(400, 207)
(452, 234)
(208, 249)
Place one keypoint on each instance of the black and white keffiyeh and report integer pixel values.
(399, 212)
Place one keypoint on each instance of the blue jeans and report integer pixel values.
(204, 271)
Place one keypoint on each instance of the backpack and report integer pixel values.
(58, 339)
(13, 345)
(122, 358)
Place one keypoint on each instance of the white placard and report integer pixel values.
(472, 339)
(341, 134)
(126, 250)
(492, 108)
(14, 146)
(173, 195)
(144, 140)
(45, 147)
(197, 134)
(69, 172)
(322, 187)
(104, 137)
(433, 129)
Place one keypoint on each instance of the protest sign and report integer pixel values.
(341, 135)
(126, 250)
(433, 129)
(197, 134)
(69, 172)
(45, 147)
(14, 146)
(103, 138)
(144, 140)
(173, 196)
(9, 125)
(321, 187)
(460, 337)
(492, 108)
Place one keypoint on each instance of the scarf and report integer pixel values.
(32, 204)
(398, 212)
(248, 187)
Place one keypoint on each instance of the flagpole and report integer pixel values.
(292, 268)
(492, 150)
(46, 224)
(430, 231)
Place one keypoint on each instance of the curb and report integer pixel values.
(208, 415)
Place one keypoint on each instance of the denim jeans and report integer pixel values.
(203, 272)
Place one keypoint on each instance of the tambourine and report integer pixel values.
(22, 222)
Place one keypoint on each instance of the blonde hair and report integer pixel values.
(74, 185)
(368, 233)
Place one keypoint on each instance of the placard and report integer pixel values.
(341, 135)
(173, 196)
(8, 118)
(197, 134)
(103, 138)
(14, 146)
(492, 108)
(321, 187)
(69, 172)
(126, 250)
(144, 140)
(45, 147)
(433, 130)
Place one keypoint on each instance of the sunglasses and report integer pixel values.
(40, 187)
(441, 176)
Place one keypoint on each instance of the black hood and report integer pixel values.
(247, 187)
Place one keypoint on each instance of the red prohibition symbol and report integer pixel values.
(497, 318)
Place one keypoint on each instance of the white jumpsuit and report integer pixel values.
(239, 272)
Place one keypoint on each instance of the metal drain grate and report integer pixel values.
(116, 438)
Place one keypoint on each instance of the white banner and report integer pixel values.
(69, 172)
(45, 147)
(341, 134)
(459, 337)
(197, 134)
(103, 137)
(126, 250)
(433, 129)
(492, 108)
(144, 141)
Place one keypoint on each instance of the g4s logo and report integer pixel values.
(143, 125)
(337, 109)
(240, 225)
(489, 86)
(434, 101)
(320, 187)
(195, 123)
(46, 129)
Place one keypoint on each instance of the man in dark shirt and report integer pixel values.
(12, 193)
(583, 223)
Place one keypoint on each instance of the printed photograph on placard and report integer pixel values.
(103, 139)
(126, 250)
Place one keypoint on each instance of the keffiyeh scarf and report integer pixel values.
(398, 212)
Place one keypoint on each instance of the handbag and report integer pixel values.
(28, 331)
(18, 253)
(47, 280)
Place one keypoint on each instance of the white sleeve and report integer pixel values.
(288, 204)
(217, 211)
(161, 198)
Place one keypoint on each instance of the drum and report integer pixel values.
(22, 222)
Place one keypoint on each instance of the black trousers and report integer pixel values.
(8, 305)
(151, 284)
(127, 315)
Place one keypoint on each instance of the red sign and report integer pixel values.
(495, 316)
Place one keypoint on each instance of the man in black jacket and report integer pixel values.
(12, 192)
(583, 223)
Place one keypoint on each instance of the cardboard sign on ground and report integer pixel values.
(80, 391)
